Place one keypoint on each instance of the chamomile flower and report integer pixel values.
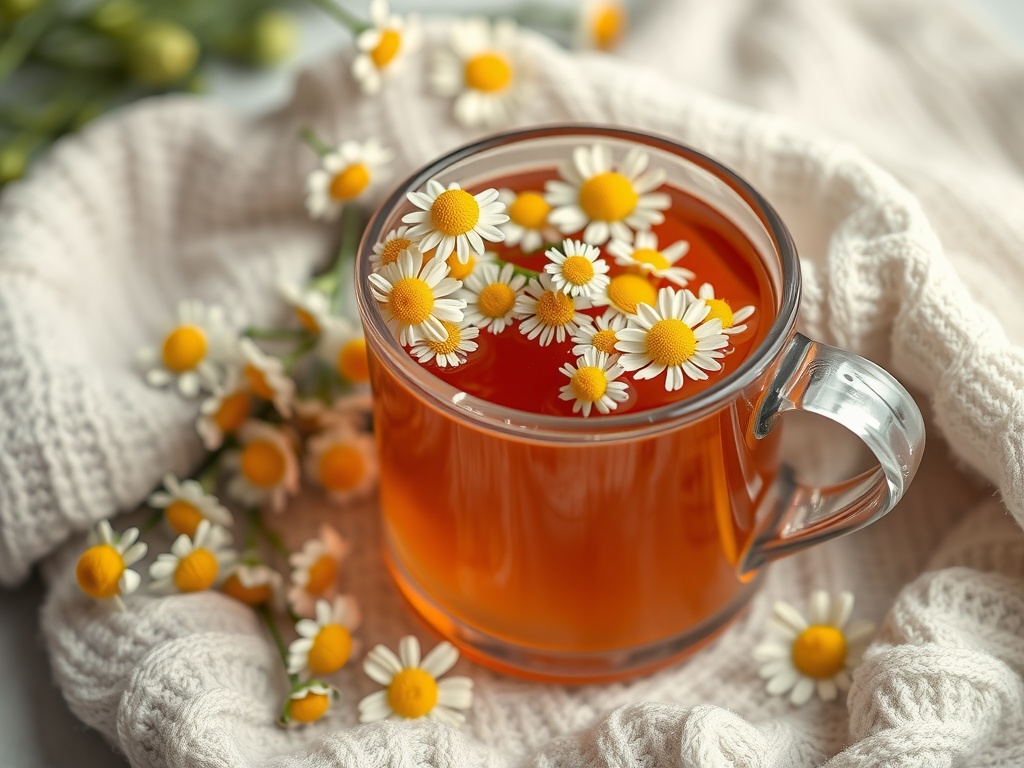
(577, 270)
(345, 175)
(460, 270)
(354, 410)
(490, 294)
(266, 376)
(732, 322)
(454, 221)
(310, 306)
(186, 504)
(527, 224)
(195, 563)
(592, 383)
(484, 70)
(452, 351)
(266, 470)
(343, 462)
(390, 248)
(307, 703)
(103, 571)
(225, 411)
(315, 570)
(813, 654)
(549, 313)
(672, 338)
(605, 202)
(642, 254)
(624, 294)
(411, 297)
(190, 350)
(602, 23)
(383, 46)
(412, 689)
(253, 583)
(325, 644)
(601, 336)
(343, 347)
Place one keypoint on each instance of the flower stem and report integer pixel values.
(252, 531)
(290, 360)
(275, 633)
(152, 521)
(314, 142)
(355, 25)
(518, 270)
(351, 232)
(272, 537)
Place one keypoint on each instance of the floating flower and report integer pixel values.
(345, 175)
(411, 292)
(343, 347)
(325, 645)
(266, 468)
(577, 270)
(189, 351)
(602, 23)
(383, 46)
(315, 570)
(454, 221)
(624, 294)
(527, 224)
(103, 570)
(817, 653)
(462, 270)
(266, 376)
(452, 351)
(308, 703)
(490, 295)
(592, 383)
(186, 504)
(412, 688)
(253, 583)
(225, 411)
(549, 313)
(309, 305)
(390, 248)
(642, 255)
(604, 202)
(343, 462)
(673, 338)
(483, 70)
(600, 337)
(195, 563)
(732, 322)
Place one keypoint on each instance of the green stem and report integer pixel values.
(518, 270)
(351, 231)
(275, 334)
(275, 633)
(152, 521)
(252, 531)
(26, 33)
(272, 537)
(315, 143)
(354, 24)
(290, 360)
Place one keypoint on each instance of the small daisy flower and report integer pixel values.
(592, 383)
(343, 462)
(673, 338)
(383, 46)
(267, 471)
(309, 305)
(315, 570)
(490, 294)
(602, 24)
(354, 410)
(307, 703)
(527, 224)
(225, 411)
(484, 70)
(189, 351)
(253, 583)
(103, 569)
(732, 322)
(345, 175)
(601, 336)
(454, 221)
(195, 563)
(604, 202)
(411, 296)
(577, 270)
(452, 351)
(549, 313)
(266, 376)
(186, 504)
(814, 654)
(459, 270)
(412, 688)
(325, 645)
(390, 248)
(642, 255)
(343, 347)
(624, 294)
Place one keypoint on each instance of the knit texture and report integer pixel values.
(915, 265)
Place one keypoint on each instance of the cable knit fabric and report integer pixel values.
(910, 237)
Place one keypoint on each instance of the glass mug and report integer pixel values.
(579, 550)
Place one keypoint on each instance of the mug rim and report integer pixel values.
(550, 428)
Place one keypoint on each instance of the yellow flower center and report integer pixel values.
(720, 308)
(350, 182)
(496, 300)
(589, 384)
(387, 48)
(196, 571)
(331, 648)
(234, 410)
(308, 321)
(671, 342)
(322, 575)
(529, 210)
(184, 348)
(555, 308)
(353, 364)
(578, 270)
(393, 249)
(819, 651)
(489, 72)
(183, 517)
(626, 291)
(257, 595)
(608, 196)
(310, 707)
(341, 467)
(411, 300)
(604, 341)
(454, 212)
(98, 571)
(449, 345)
(258, 382)
(263, 464)
(651, 257)
(412, 693)
(458, 270)
(608, 25)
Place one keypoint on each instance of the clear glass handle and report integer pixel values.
(868, 401)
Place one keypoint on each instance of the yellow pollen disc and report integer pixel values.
(308, 321)
(309, 708)
(496, 300)
(626, 291)
(578, 270)
(353, 364)
(412, 693)
(257, 595)
(671, 342)
(608, 25)
(604, 341)
(720, 308)
(608, 196)
(341, 467)
(258, 382)
(651, 257)
(489, 72)
(458, 270)
(322, 575)
(819, 651)
(98, 571)
(450, 344)
(331, 648)
(529, 210)
(184, 348)
(555, 308)
(183, 517)
(350, 182)
(196, 571)
(263, 464)
(234, 410)
(454, 212)
(393, 249)
(411, 301)
(589, 384)
(387, 48)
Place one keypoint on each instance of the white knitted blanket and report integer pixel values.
(912, 247)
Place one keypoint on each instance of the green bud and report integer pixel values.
(15, 9)
(162, 53)
(272, 37)
(117, 18)
(13, 162)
